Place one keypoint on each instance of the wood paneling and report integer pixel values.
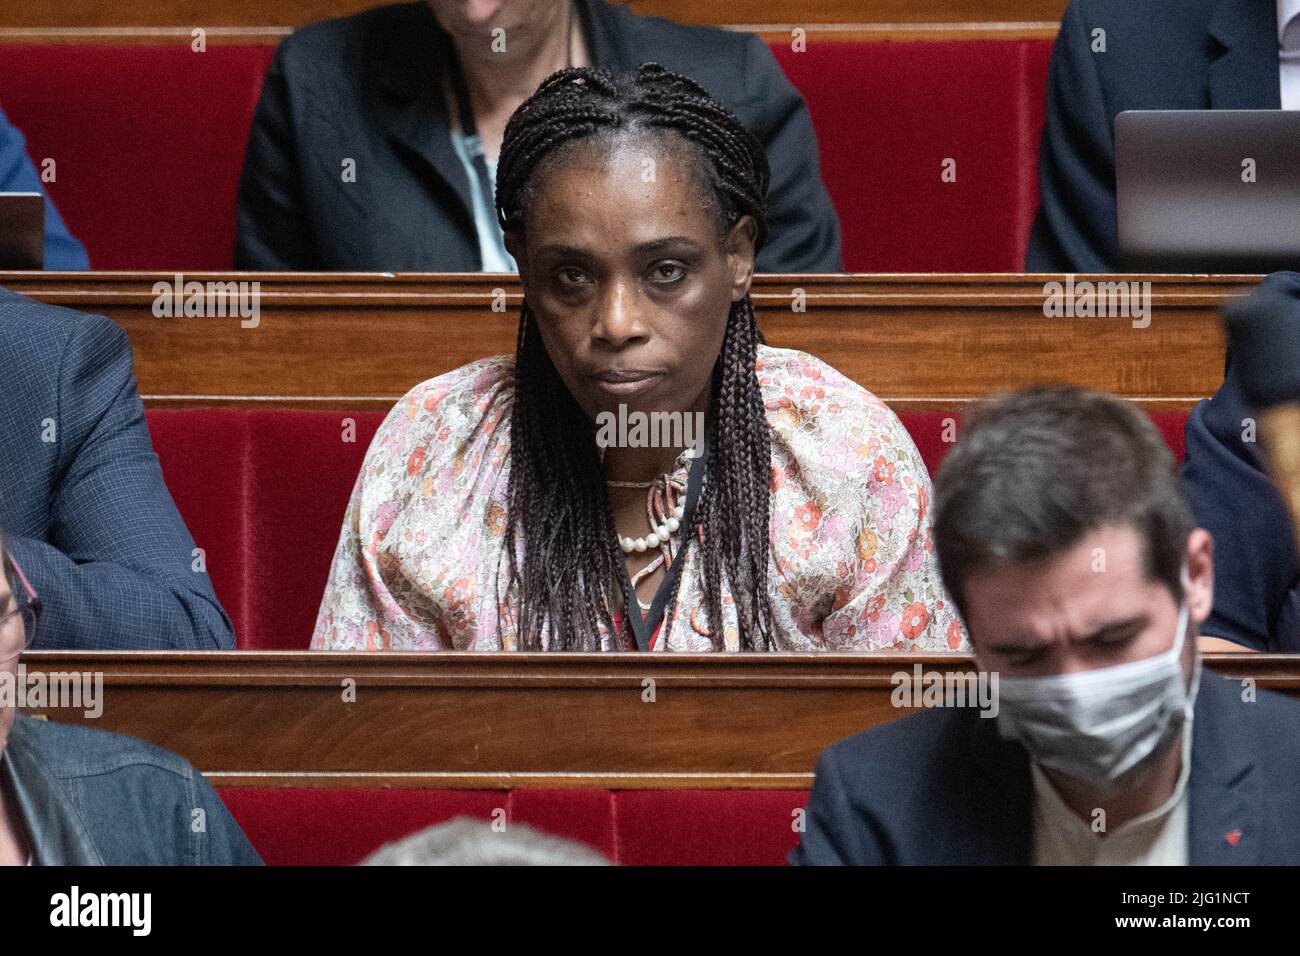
(512, 720)
(917, 341)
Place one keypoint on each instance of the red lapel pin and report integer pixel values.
(1233, 837)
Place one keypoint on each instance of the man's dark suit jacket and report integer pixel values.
(942, 788)
(1191, 55)
(366, 87)
(83, 507)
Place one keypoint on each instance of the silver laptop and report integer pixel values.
(22, 231)
(1208, 190)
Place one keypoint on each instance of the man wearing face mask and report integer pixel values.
(1082, 578)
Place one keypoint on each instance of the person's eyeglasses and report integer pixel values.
(18, 626)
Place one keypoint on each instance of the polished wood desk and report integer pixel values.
(513, 720)
(918, 341)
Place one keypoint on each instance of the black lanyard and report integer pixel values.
(469, 130)
(643, 628)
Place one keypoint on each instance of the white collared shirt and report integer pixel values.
(1156, 838)
(1288, 52)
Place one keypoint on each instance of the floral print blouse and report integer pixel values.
(419, 564)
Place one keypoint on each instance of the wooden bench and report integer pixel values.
(921, 342)
(497, 721)
(658, 759)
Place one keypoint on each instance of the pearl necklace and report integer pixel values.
(661, 532)
(658, 533)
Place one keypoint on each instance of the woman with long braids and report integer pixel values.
(498, 507)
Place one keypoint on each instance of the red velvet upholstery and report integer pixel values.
(1173, 426)
(316, 827)
(929, 431)
(935, 432)
(263, 492)
(204, 459)
(887, 115)
(304, 466)
(707, 827)
(319, 827)
(149, 142)
(588, 816)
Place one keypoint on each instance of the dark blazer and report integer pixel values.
(90, 798)
(83, 507)
(366, 87)
(943, 788)
(1190, 55)
(18, 175)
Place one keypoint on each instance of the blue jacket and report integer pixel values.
(83, 506)
(942, 788)
(18, 175)
(366, 87)
(1256, 569)
(1226, 481)
(90, 798)
(1190, 55)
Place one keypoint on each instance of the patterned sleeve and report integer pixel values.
(852, 535)
(349, 618)
(401, 578)
(894, 599)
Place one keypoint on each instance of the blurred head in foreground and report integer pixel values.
(1065, 542)
(466, 842)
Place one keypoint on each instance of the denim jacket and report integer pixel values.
(89, 797)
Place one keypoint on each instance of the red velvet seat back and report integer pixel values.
(204, 457)
(148, 143)
(264, 492)
(936, 432)
(339, 827)
(887, 115)
(305, 464)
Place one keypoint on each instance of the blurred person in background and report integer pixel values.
(375, 144)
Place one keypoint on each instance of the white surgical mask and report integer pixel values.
(1096, 726)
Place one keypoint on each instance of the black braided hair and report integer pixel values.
(561, 541)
